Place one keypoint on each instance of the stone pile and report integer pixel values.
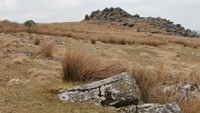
(111, 15)
(125, 19)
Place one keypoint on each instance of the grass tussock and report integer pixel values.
(151, 82)
(37, 41)
(82, 65)
(46, 50)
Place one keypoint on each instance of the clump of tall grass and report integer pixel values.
(46, 50)
(37, 41)
(82, 65)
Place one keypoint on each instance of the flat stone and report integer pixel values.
(119, 90)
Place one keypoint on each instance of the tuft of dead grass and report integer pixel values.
(46, 50)
(82, 65)
(37, 41)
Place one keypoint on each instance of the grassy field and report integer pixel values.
(30, 83)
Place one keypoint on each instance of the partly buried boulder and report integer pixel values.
(152, 108)
(119, 90)
(30, 23)
(188, 91)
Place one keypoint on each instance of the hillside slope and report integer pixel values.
(29, 82)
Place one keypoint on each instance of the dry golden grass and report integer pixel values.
(37, 41)
(81, 66)
(104, 33)
(42, 76)
(46, 50)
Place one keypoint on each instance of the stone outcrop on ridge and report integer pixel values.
(120, 16)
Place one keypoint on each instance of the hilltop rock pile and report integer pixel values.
(120, 16)
(111, 15)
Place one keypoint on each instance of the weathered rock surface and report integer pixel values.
(152, 108)
(30, 23)
(128, 20)
(111, 15)
(189, 90)
(28, 53)
(119, 90)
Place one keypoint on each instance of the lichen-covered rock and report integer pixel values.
(159, 108)
(152, 108)
(119, 90)
(30, 23)
(189, 90)
(128, 109)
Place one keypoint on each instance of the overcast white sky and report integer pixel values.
(184, 12)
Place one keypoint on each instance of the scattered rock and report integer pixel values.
(59, 41)
(189, 90)
(28, 53)
(144, 54)
(137, 29)
(9, 55)
(119, 90)
(17, 81)
(152, 108)
(175, 65)
(30, 23)
(152, 31)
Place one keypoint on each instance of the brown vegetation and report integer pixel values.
(35, 79)
(37, 41)
(114, 35)
(151, 81)
(46, 50)
(81, 65)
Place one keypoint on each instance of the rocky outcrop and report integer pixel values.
(119, 90)
(152, 108)
(111, 15)
(30, 23)
(170, 27)
(125, 19)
